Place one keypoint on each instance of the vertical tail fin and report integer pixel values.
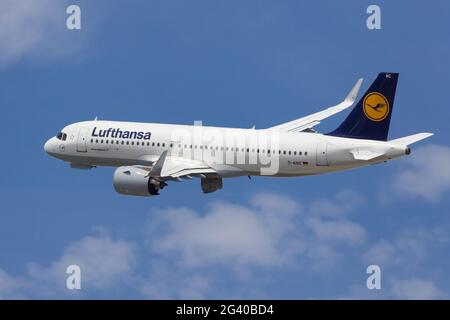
(370, 118)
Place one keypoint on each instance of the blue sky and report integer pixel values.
(227, 63)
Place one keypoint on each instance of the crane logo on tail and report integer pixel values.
(376, 106)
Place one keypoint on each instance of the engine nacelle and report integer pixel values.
(134, 181)
(211, 184)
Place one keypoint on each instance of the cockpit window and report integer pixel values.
(61, 136)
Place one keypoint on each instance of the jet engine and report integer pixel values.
(211, 184)
(136, 182)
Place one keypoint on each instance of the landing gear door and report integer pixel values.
(321, 154)
(82, 139)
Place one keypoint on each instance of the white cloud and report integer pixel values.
(272, 232)
(408, 248)
(104, 262)
(381, 253)
(415, 289)
(227, 251)
(397, 288)
(426, 175)
(339, 230)
(36, 29)
(341, 204)
(10, 287)
(270, 202)
(166, 281)
(403, 261)
(360, 292)
(228, 232)
(193, 252)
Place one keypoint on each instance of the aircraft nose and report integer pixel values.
(48, 146)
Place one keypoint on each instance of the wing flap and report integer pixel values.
(189, 173)
(175, 167)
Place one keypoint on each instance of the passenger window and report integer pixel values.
(128, 142)
(164, 144)
(306, 153)
(157, 144)
(289, 152)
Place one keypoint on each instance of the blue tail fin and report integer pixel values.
(370, 118)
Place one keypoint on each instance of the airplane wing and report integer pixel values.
(314, 119)
(175, 167)
(168, 167)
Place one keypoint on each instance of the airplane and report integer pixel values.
(149, 156)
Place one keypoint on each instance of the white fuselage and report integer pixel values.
(230, 152)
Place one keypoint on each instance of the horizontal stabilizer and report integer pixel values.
(406, 141)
